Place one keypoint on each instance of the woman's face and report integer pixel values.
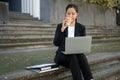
(71, 12)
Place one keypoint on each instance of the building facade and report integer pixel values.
(53, 11)
(37, 8)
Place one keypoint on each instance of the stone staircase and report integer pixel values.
(14, 36)
(26, 33)
(22, 36)
(24, 18)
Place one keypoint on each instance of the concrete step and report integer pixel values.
(30, 35)
(104, 64)
(15, 31)
(105, 35)
(103, 29)
(103, 40)
(106, 47)
(18, 13)
(47, 38)
(26, 28)
(26, 39)
(26, 25)
(53, 31)
(34, 28)
(102, 74)
(42, 27)
(103, 57)
(109, 69)
(30, 21)
(114, 77)
(105, 44)
(29, 45)
(27, 31)
(102, 32)
(94, 30)
(24, 16)
(14, 40)
(27, 34)
(47, 33)
(50, 31)
(88, 30)
(33, 34)
(99, 37)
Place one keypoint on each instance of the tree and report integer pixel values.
(106, 3)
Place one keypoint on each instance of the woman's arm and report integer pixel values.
(59, 36)
(84, 30)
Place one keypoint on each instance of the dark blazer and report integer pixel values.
(59, 39)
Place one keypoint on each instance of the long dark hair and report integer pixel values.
(72, 6)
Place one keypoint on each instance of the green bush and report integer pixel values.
(106, 3)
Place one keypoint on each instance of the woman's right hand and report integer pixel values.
(63, 25)
(66, 21)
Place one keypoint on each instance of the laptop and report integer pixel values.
(77, 45)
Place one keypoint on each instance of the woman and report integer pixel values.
(77, 63)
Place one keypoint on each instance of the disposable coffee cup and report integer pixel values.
(68, 21)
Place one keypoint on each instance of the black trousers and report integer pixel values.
(78, 65)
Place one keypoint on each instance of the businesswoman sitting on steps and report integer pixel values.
(77, 63)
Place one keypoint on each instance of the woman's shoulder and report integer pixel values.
(80, 25)
(59, 25)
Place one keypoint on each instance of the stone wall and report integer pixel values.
(3, 12)
(89, 14)
(45, 10)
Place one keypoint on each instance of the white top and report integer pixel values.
(71, 31)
